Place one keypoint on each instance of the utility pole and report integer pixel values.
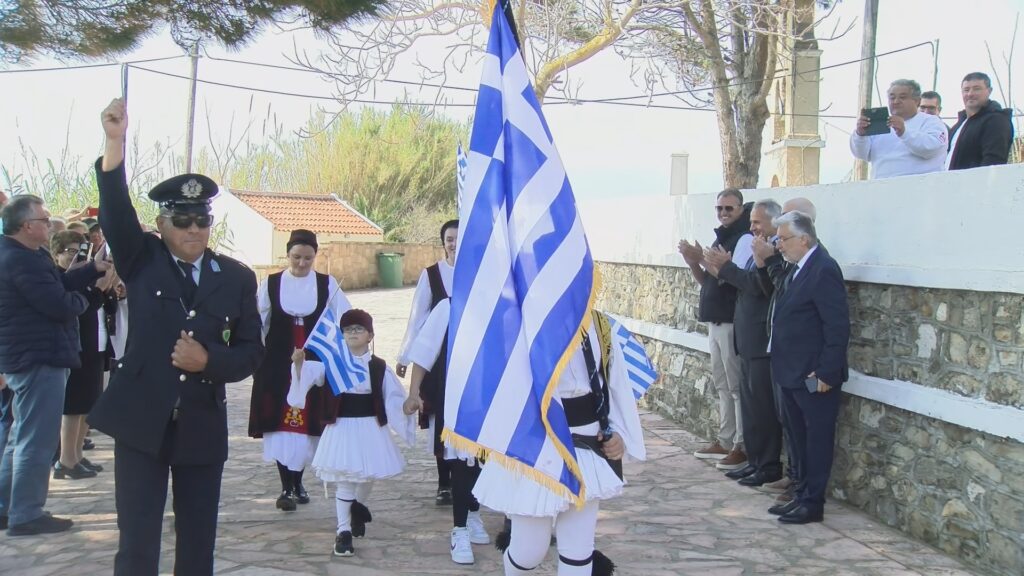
(190, 126)
(867, 71)
(935, 72)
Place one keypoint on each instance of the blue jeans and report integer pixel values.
(25, 468)
(6, 417)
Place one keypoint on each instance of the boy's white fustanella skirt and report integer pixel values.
(357, 450)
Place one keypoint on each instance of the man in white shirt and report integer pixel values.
(916, 143)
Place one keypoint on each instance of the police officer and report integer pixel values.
(193, 327)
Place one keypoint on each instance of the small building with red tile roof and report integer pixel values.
(260, 222)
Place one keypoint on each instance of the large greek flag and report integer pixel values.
(523, 286)
(327, 342)
(639, 368)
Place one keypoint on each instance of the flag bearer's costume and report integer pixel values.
(595, 392)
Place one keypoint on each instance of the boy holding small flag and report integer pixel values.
(357, 448)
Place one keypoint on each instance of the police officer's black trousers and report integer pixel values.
(141, 494)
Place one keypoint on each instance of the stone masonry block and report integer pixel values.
(980, 466)
(1007, 512)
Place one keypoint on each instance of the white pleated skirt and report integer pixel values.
(357, 450)
(505, 491)
(293, 449)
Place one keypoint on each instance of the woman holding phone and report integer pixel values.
(85, 384)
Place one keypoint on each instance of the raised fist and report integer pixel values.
(115, 120)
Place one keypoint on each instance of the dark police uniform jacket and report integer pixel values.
(137, 406)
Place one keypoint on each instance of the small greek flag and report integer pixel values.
(341, 368)
(461, 163)
(638, 366)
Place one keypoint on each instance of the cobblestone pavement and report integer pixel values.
(678, 516)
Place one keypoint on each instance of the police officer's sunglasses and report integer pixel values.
(185, 221)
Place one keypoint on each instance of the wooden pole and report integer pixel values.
(190, 126)
(867, 72)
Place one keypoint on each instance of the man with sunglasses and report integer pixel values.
(194, 326)
(717, 307)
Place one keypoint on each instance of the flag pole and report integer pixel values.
(506, 7)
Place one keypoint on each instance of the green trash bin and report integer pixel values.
(389, 269)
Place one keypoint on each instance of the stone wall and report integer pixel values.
(956, 488)
(354, 264)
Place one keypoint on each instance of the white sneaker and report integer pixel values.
(477, 533)
(462, 550)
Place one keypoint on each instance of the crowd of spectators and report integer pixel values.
(56, 348)
(917, 140)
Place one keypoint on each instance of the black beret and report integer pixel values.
(355, 317)
(90, 223)
(303, 237)
(185, 193)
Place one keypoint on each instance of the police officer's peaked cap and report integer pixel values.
(186, 192)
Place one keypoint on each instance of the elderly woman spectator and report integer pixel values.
(85, 384)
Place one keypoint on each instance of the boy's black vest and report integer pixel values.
(364, 405)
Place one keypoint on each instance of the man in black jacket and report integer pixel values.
(38, 347)
(193, 326)
(717, 308)
(983, 132)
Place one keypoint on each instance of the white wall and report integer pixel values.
(958, 230)
(252, 234)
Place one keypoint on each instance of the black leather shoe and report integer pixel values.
(76, 472)
(782, 509)
(286, 501)
(45, 524)
(758, 478)
(88, 444)
(802, 515)
(444, 497)
(94, 467)
(741, 473)
(301, 496)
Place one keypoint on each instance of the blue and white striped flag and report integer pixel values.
(523, 286)
(327, 342)
(639, 368)
(461, 163)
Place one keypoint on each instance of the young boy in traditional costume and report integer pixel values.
(357, 448)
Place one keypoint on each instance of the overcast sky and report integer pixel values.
(609, 151)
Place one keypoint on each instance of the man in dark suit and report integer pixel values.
(761, 428)
(193, 326)
(809, 339)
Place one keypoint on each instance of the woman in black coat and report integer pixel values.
(85, 384)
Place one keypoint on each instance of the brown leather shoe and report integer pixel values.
(735, 460)
(777, 487)
(787, 496)
(713, 451)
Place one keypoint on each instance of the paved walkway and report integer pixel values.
(678, 516)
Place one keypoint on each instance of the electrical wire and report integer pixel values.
(84, 66)
(283, 93)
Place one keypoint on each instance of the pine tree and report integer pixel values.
(95, 28)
